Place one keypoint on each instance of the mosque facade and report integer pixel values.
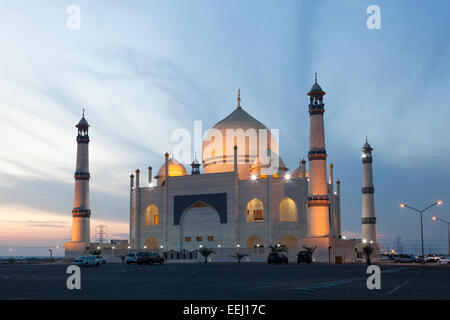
(234, 202)
(244, 197)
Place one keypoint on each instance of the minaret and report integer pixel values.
(318, 200)
(81, 212)
(369, 222)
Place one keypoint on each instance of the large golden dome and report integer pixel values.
(218, 148)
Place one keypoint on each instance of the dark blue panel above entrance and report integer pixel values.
(216, 200)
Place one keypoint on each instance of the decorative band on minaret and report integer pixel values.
(369, 229)
(318, 200)
(81, 212)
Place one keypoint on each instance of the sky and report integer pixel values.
(142, 69)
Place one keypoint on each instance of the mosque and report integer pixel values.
(244, 198)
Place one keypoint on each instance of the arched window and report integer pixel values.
(289, 241)
(255, 241)
(255, 210)
(288, 210)
(151, 217)
(151, 243)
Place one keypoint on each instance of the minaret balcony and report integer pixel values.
(318, 200)
(316, 108)
(81, 213)
(83, 139)
(82, 175)
(367, 159)
(369, 220)
(368, 190)
(320, 154)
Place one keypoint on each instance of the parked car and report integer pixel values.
(302, 256)
(404, 258)
(156, 258)
(86, 261)
(419, 259)
(143, 257)
(385, 257)
(130, 258)
(277, 257)
(445, 260)
(432, 258)
(100, 258)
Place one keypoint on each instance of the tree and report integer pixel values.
(239, 256)
(310, 252)
(367, 250)
(277, 247)
(206, 252)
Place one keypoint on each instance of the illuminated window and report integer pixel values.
(151, 217)
(258, 215)
(288, 210)
(199, 238)
(210, 238)
(255, 210)
(188, 239)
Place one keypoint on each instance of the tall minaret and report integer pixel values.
(81, 212)
(318, 201)
(369, 222)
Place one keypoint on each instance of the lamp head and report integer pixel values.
(402, 205)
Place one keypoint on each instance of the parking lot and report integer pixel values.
(225, 281)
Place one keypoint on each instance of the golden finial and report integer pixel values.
(239, 98)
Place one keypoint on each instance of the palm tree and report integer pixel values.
(367, 249)
(277, 247)
(239, 256)
(205, 252)
(310, 251)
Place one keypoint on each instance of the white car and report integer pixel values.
(432, 258)
(86, 261)
(445, 260)
(130, 258)
(100, 258)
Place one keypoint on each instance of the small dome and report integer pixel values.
(297, 173)
(366, 146)
(316, 87)
(83, 123)
(175, 169)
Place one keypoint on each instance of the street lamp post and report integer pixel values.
(421, 221)
(448, 230)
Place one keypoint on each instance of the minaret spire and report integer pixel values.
(369, 229)
(81, 212)
(318, 198)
